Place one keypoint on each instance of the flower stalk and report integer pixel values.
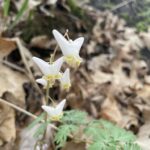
(46, 116)
(52, 71)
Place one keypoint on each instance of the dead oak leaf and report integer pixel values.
(6, 47)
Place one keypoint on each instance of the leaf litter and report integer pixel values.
(114, 78)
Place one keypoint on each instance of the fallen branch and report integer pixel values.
(122, 4)
(18, 108)
(34, 117)
(13, 66)
(23, 111)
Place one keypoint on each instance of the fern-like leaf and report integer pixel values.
(107, 136)
(36, 121)
(62, 134)
(74, 117)
(40, 130)
(131, 146)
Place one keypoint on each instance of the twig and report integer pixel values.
(23, 111)
(22, 49)
(122, 4)
(34, 117)
(18, 108)
(13, 66)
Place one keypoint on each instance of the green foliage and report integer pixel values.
(36, 121)
(103, 134)
(39, 121)
(6, 7)
(63, 132)
(141, 19)
(75, 9)
(135, 13)
(106, 136)
(71, 121)
(144, 21)
(40, 130)
(74, 117)
(131, 146)
(20, 12)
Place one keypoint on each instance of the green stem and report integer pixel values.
(53, 102)
(47, 92)
(45, 119)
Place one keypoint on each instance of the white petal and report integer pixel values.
(60, 106)
(66, 77)
(57, 65)
(76, 45)
(62, 42)
(70, 47)
(42, 81)
(50, 110)
(44, 66)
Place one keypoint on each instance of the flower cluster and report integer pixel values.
(51, 70)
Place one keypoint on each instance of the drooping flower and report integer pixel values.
(69, 48)
(65, 79)
(42, 81)
(56, 112)
(51, 71)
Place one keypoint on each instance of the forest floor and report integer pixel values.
(112, 83)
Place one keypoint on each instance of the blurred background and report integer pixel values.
(112, 83)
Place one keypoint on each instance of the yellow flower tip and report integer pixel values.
(56, 117)
(73, 61)
(58, 76)
(66, 86)
(55, 113)
(52, 78)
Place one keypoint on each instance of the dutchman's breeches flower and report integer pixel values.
(65, 79)
(69, 48)
(51, 71)
(56, 112)
(42, 81)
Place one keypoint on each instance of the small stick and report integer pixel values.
(22, 49)
(122, 4)
(23, 111)
(13, 66)
(34, 117)
(18, 108)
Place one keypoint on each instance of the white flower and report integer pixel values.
(42, 81)
(50, 71)
(55, 113)
(70, 49)
(65, 79)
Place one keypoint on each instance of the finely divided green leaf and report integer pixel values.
(131, 146)
(107, 136)
(37, 120)
(75, 117)
(62, 134)
(40, 130)
(97, 146)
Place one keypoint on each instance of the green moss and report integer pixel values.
(77, 11)
(141, 26)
